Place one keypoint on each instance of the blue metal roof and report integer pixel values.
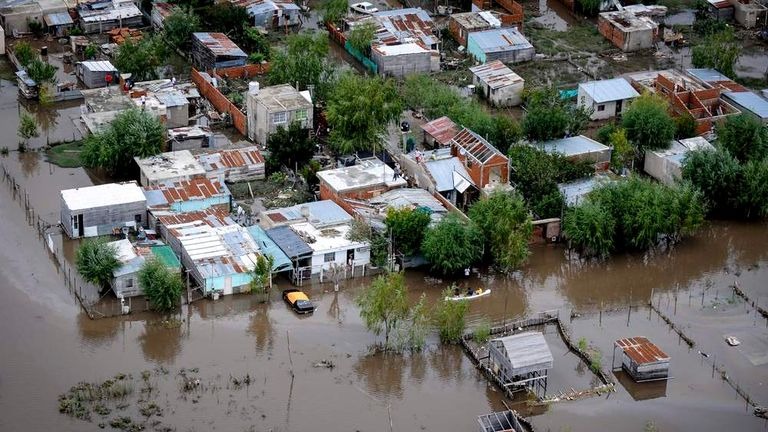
(321, 213)
(172, 98)
(442, 171)
(281, 262)
(289, 242)
(707, 75)
(60, 18)
(751, 102)
(261, 8)
(573, 146)
(609, 90)
(499, 40)
(155, 197)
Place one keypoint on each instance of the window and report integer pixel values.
(74, 220)
(129, 283)
(330, 257)
(280, 117)
(601, 107)
(137, 218)
(301, 115)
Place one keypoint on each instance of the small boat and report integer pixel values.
(474, 295)
(732, 341)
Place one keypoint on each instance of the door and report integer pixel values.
(618, 107)
(80, 227)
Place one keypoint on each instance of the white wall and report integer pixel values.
(609, 108)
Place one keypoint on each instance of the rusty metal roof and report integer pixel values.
(212, 216)
(405, 25)
(496, 75)
(641, 351)
(231, 158)
(219, 44)
(186, 190)
(441, 129)
(475, 146)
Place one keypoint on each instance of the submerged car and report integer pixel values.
(363, 8)
(298, 301)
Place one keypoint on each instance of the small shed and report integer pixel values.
(498, 84)
(59, 23)
(642, 359)
(521, 360)
(94, 74)
(721, 10)
(666, 165)
(98, 210)
(504, 421)
(505, 44)
(170, 166)
(749, 103)
(439, 132)
(176, 107)
(580, 148)
(216, 50)
(125, 279)
(190, 138)
(607, 98)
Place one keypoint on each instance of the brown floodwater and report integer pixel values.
(48, 344)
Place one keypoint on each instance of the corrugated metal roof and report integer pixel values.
(262, 7)
(641, 350)
(707, 75)
(186, 190)
(442, 171)
(321, 213)
(575, 191)
(409, 198)
(442, 130)
(496, 75)
(98, 66)
(231, 158)
(609, 90)
(57, 19)
(498, 40)
(573, 146)
(476, 20)
(212, 216)
(527, 351)
(399, 25)
(750, 101)
(476, 146)
(289, 242)
(165, 255)
(280, 262)
(219, 44)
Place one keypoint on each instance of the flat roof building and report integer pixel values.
(628, 31)
(607, 98)
(462, 24)
(276, 106)
(580, 148)
(666, 165)
(170, 166)
(125, 278)
(233, 165)
(99, 210)
(369, 177)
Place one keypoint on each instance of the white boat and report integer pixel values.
(474, 295)
(732, 341)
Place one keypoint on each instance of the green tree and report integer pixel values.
(546, 118)
(132, 133)
(407, 227)
(304, 61)
(96, 260)
(334, 10)
(717, 175)
(261, 275)
(179, 26)
(744, 137)
(623, 153)
(452, 245)
(717, 51)
(589, 7)
(384, 304)
(590, 228)
(161, 286)
(648, 123)
(41, 72)
(228, 18)
(753, 194)
(359, 110)
(291, 147)
(141, 58)
(536, 174)
(450, 316)
(27, 128)
(255, 42)
(24, 53)
(685, 126)
(361, 36)
(412, 331)
(506, 226)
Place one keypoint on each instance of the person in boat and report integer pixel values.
(478, 291)
(469, 291)
(456, 291)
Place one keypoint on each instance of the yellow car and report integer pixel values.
(298, 301)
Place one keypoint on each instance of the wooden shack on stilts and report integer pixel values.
(521, 361)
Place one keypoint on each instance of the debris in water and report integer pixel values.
(325, 363)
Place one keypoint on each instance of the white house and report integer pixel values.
(498, 83)
(607, 98)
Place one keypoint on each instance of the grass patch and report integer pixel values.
(578, 38)
(66, 155)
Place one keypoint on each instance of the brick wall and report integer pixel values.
(614, 35)
(242, 72)
(220, 102)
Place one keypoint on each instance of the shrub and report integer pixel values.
(449, 317)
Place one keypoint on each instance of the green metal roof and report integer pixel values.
(166, 256)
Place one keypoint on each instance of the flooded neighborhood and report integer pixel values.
(497, 215)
